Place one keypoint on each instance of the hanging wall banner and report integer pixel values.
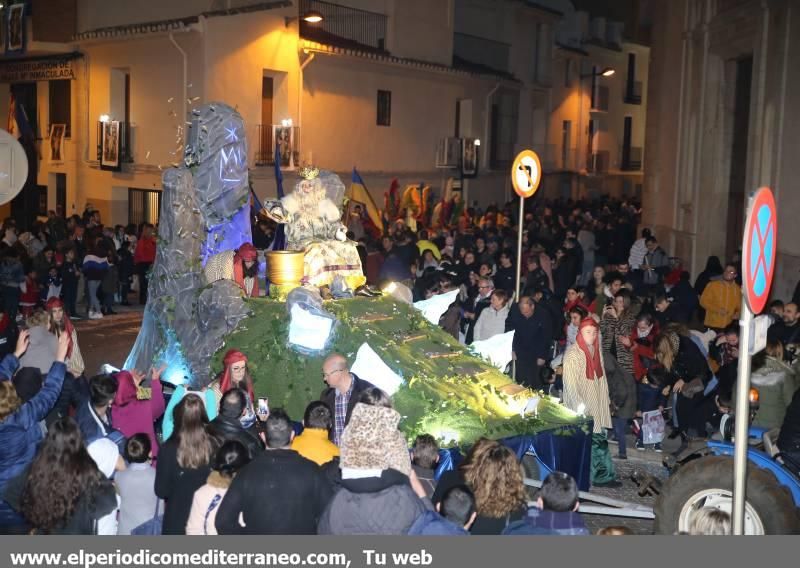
(41, 70)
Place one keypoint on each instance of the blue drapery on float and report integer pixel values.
(562, 449)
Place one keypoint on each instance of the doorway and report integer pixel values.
(738, 172)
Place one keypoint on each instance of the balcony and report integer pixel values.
(489, 54)
(267, 136)
(633, 93)
(344, 27)
(568, 160)
(598, 162)
(631, 159)
(600, 99)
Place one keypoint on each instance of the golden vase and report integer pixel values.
(285, 267)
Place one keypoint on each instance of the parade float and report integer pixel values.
(197, 308)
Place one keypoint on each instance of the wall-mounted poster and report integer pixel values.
(109, 158)
(15, 28)
(57, 142)
(469, 157)
(285, 138)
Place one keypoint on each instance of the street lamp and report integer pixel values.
(605, 72)
(311, 17)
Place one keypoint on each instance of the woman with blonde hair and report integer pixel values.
(709, 521)
(184, 463)
(688, 376)
(494, 475)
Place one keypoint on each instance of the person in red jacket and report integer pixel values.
(144, 257)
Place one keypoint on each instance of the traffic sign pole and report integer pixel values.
(519, 245)
(759, 249)
(742, 420)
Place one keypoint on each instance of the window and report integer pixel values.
(504, 121)
(566, 143)
(384, 108)
(568, 71)
(61, 104)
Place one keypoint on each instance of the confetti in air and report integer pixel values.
(169, 100)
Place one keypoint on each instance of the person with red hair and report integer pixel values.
(235, 375)
(60, 323)
(586, 392)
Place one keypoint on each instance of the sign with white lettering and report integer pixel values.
(40, 70)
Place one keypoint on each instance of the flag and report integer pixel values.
(358, 192)
(279, 242)
(18, 124)
(12, 127)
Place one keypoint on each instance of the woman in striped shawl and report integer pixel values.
(586, 391)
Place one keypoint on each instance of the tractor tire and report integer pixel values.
(767, 499)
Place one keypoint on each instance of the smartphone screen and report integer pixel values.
(263, 405)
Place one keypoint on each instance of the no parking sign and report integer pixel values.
(759, 250)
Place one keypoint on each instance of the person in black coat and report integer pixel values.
(342, 385)
(533, 338)
(227, 426)
(279, 492)
(184, 463)
(506, 276)
(789, 437)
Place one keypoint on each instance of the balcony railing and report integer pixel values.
(631, 160)
(600, 99)
(267, 136)
(344, 26)
(598, 162)
(568, 160)
(633, 93)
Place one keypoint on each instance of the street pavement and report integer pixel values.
(109, 340)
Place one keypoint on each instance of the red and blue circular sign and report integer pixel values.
(759, 250)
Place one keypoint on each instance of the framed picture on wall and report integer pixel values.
(469, 157)
(284, 137)
(57, 142)
(109, 156)
(15, 28)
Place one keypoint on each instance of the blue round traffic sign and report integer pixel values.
(759, 250)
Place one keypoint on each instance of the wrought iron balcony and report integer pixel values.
(344, 26)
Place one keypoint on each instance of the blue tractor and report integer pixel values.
(704, 478)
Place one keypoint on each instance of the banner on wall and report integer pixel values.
(38, 70)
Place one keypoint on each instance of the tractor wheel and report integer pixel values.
(708, 482)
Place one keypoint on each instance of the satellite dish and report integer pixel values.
(13, 167)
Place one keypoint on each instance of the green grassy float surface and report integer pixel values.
(448, 392)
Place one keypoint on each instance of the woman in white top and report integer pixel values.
(229, 459)
(492, 320)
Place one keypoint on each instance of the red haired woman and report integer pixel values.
(60, 323)
(586, 391)
(236, 375)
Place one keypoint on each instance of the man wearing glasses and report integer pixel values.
(342, 394)
(480, 303)
(722, 300)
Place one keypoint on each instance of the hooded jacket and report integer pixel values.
(133, 416)
(776, 383)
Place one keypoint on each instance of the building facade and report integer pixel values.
(719, 124)
(395, 88)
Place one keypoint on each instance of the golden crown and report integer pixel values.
(309, 172)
